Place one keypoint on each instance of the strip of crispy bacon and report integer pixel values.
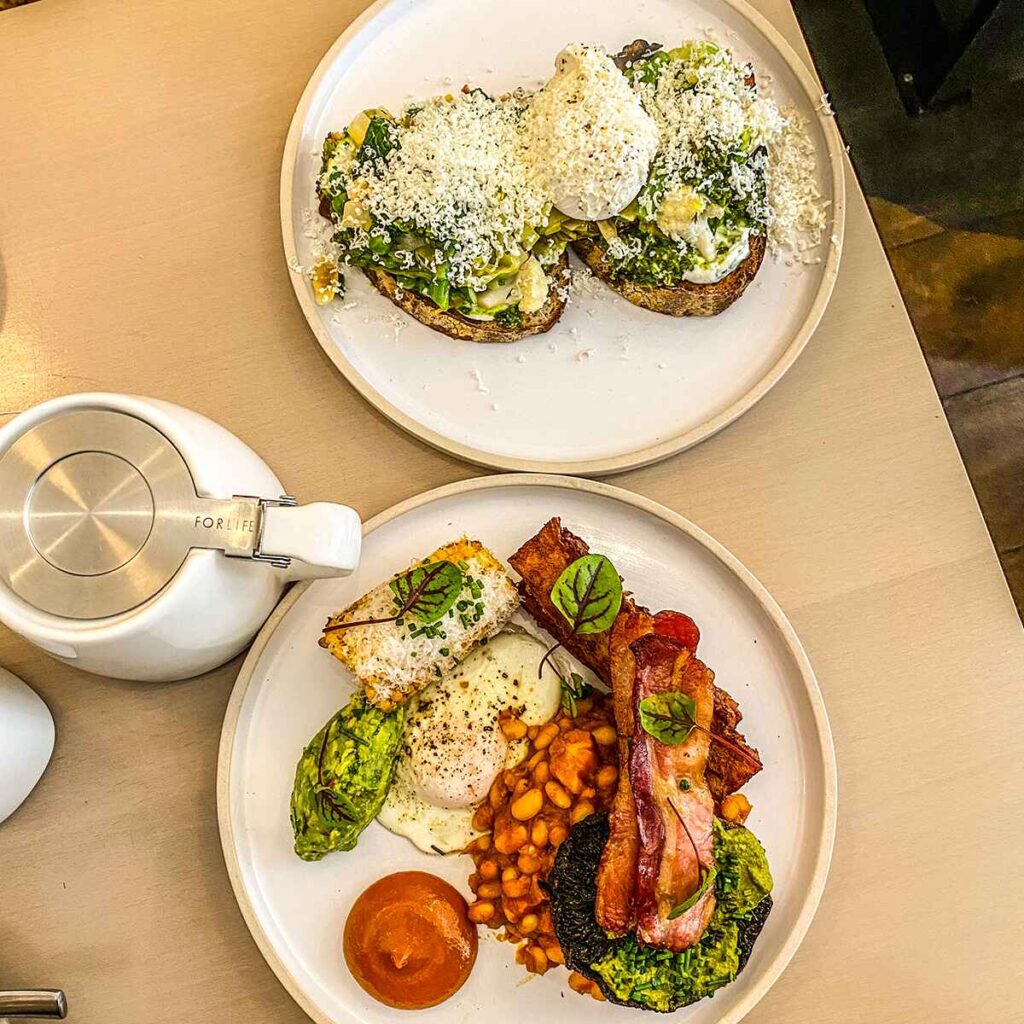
(540, 561)
(616, 875)
(674, 807)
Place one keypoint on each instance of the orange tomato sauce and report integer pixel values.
(408, 941)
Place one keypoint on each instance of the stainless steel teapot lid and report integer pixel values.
(98, 511)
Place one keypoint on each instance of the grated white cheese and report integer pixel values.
(797, 213)
(708, 104)
(459, 176)
(711, 105)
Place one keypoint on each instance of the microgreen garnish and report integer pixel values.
(588, 594)
(668, 717)
(425, 592)
(707, 875)
(573, 689)
(671, 717)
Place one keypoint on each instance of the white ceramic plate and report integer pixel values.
(611, 386)
(288, 687)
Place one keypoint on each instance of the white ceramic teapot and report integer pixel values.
(143, 541)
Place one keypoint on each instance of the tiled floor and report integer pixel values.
(947, 193)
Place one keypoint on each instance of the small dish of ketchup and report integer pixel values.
(408, 941)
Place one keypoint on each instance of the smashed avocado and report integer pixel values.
(662, 980)
(423, 253)
(343, 776)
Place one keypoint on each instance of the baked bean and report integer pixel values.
(516, 887)
(554, 953)
(498, 793)
(545, 736)
(529, 863)
(479, 845)
(557, 794)
(481, 912)
(539, 833)
(558, 834)
(539, 959)
(527, 805)
(565, 776)
(578, 983)
(584, 809)
(510, 839)
(513, 728)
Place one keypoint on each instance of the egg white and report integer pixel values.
(453, 747)
(589, 136)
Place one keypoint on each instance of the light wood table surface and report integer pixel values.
(140, 144)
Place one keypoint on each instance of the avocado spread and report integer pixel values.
(440, 198)
(662, 980)
(343, 776)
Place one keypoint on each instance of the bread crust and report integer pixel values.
(456, 326)
(685, 298)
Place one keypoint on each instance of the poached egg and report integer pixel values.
(454, 747)
(589, 139)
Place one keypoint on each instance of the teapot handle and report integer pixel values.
(319, 539)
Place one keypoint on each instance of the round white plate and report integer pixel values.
(288, 687)
(611, 386)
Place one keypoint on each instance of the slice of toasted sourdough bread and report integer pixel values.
(685, 298)
(456, 326)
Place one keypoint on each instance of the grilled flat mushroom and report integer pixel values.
(572, 889)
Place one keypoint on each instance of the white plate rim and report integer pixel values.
(823, 858)
(589, 467)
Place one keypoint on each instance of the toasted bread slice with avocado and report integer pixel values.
(455, 326)
(685, 298)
